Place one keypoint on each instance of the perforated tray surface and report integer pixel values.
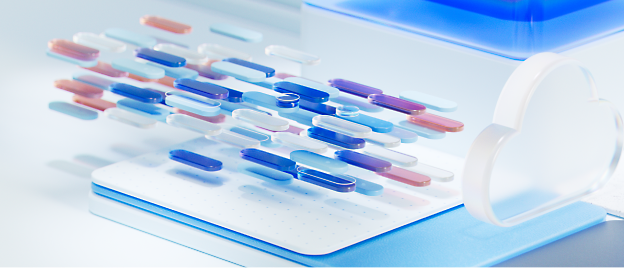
(300, 217)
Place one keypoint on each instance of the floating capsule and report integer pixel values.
(376, 124)
(319, 108)
(436, 122)
(266, 101)
(194, 124)
(237, 71)
(94, 80)
(292, 54)
(98, 104)
(159, 57)
(264, 173)
(291, 129)
(268, 159)
(73, 110)
(204, 70)
(364, 106)
(260, 119)
(144, 109)
(262, 138)
(405, 135)
(234, 96)
(298, 142)
(421, 131)
(268, 83)
(73, 50)
(319, 161)
(236, 32)
(342, 126)
(397, 158)
(136, 93)
(283, 75)
(205, 89)
(71, 60)
(99, 42)
(363, 186)
(212, 119)
(218, 52)
(195, 160)
(129, 118)
(396, 104)
(268, 71)
(228, 107)
(137, 68)
(236, 139)
(334, 138)
(347, 111)
(106, 69)
(300, 116)
(383, 140)
(406, 176)
(129, 37)
(79, 88)
(176, 72)
(326, 180)
(287, 100)
(431, 102)
(332, 91)
(165, 24)
(363, 161)
(191, 57)
(435, 173)
(193, 103)
(306, 93)
(354, 88)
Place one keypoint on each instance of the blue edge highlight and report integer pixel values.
(474, 243)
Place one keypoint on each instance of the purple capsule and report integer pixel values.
(399, 105)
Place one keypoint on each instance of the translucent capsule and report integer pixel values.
(194, 124)
(319, 161)
(218, 52)
(260, 119)
(191, 57)
(300, 116)
(332, 91)
(238, 71)
(334, 138)
(283, 75)
(287, 100)
(99, 42)
(363, 161)
(73, 50)
(326, 180)
(71, 60)
(165, 24)
(159, 57)
(106, 69)
(129, 118)
(98, 104)
(94, 80)
(298, 142)
(396, 158)
(354, 88)
(265, 140)
(347, 111)
(363, 186)
(342, 126)
(236, 32)
(429, 101)
(79, 88)
(268, 71)
(137, 68)
(236, 139)
(292, 54)
(319, 108)
(73, 110)
(129, 37)
(136, 93)
(176, 72)
(376, 124)
(266, 101)
(205, 89)
(305, 92)
(405, 135)
(383, 140)
(193, 103)
(406, 176)
(144, 109)
(421, 131)
(195, 160)
(268, 159)
(264, 173)
(268, 83)
(166, 41)
(436, 122)
(396, 104)
(435, 173)
(204, 70)
(364, 106)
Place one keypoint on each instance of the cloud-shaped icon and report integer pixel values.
(552, 141)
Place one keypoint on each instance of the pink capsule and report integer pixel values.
(165, 24)
(106, 69)
(98, 104)
(405, 176)
(73, 50)
(79, 88)
(436, 122)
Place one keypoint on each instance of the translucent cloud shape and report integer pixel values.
(561, 142)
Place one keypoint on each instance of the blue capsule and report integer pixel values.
(265, 173)
(267, 101)
(305, 93)
(319, 108)
(176, 72)
(287, 100)
(159, 57)
(268, 159)
(234, 95)
(326, 180)
(136, 93)
(334, 138)
(205, 89)
(363, 161)
(363, 186)
(73, 110)
(144, 109)
(195, 160)
(270, 72)
(376, 124)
